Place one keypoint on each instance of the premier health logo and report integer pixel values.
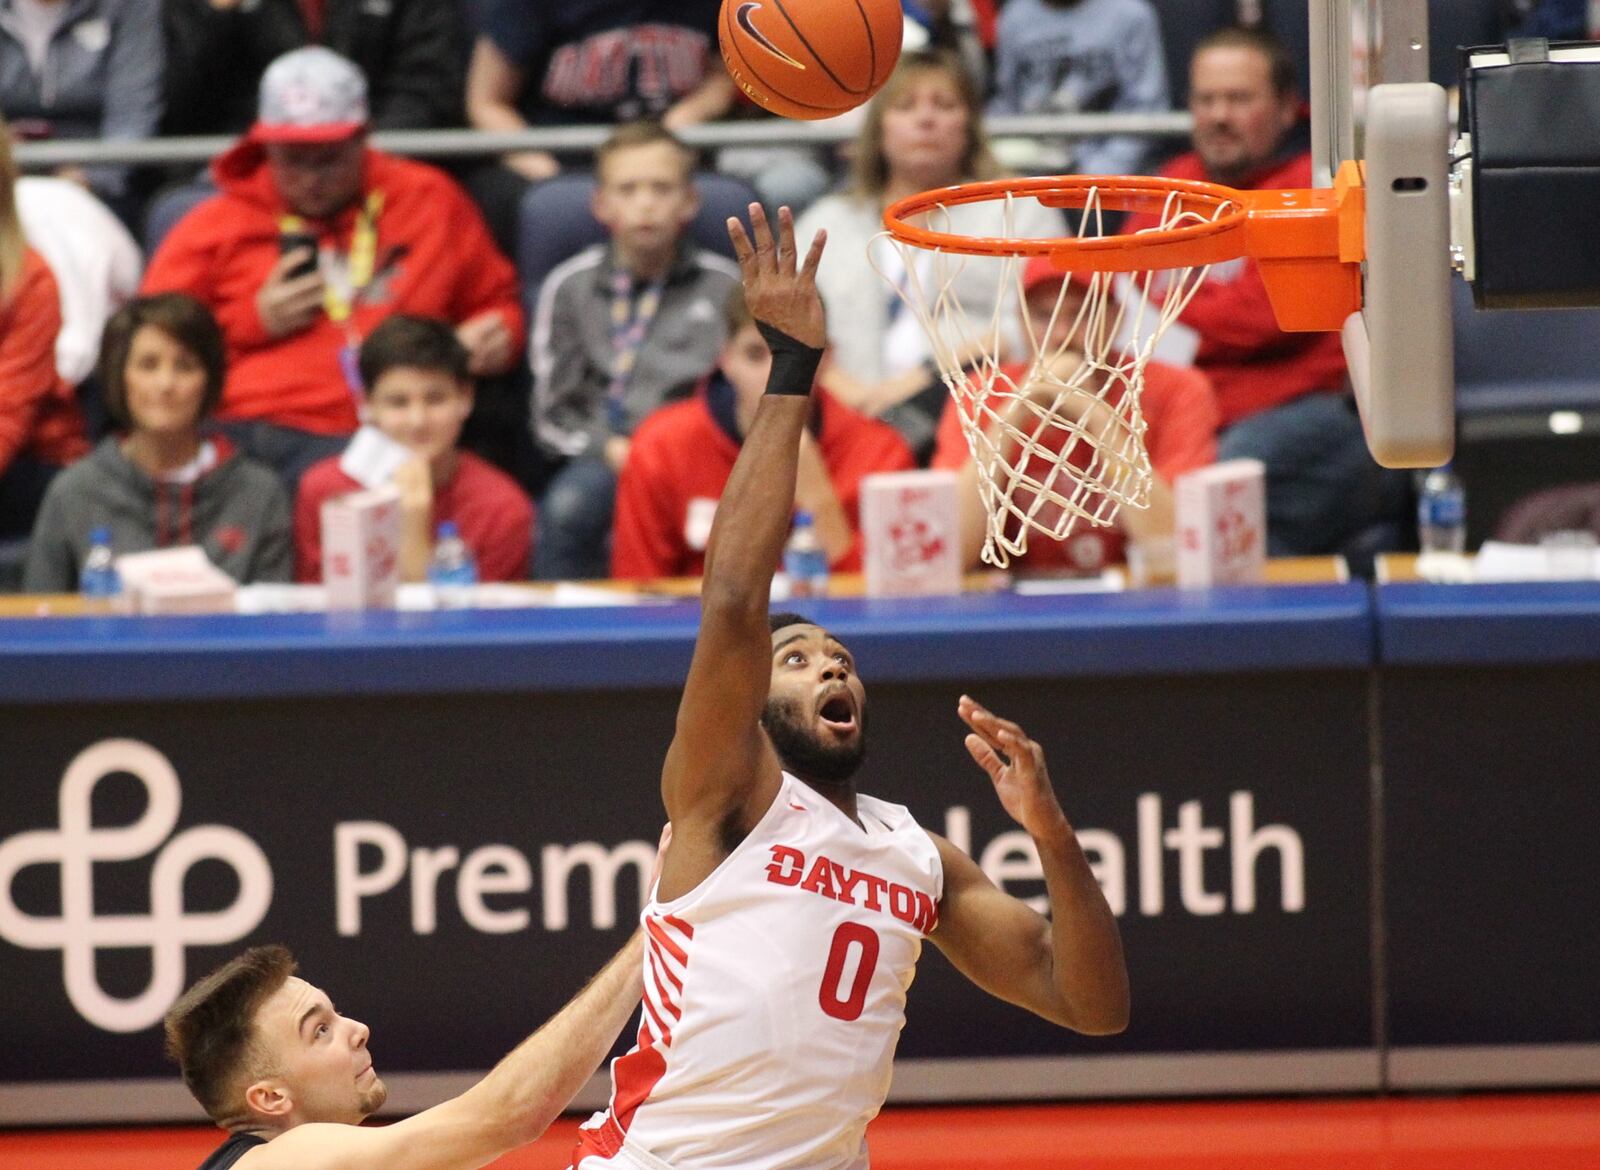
(167, 930)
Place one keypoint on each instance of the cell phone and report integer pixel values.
(299, 242)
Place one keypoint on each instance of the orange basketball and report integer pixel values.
(810, 58)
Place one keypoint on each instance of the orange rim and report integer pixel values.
(1217, 238)
(1308, 243)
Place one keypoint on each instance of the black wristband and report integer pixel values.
(794, 363)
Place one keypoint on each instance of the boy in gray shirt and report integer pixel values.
(619, 329)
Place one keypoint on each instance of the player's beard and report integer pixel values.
(807, 754)
(372, 1100)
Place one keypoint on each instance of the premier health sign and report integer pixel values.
(454, 908)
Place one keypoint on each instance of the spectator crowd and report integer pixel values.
(315, 315)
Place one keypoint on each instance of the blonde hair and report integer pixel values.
(644, 132)
(12, 245)
(869, 171)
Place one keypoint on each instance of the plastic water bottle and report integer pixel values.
(452, 572)
(99, 577)
(1442, 513)
(805, 562)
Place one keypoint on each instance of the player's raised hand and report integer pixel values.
(778, 292)
(1016, 765)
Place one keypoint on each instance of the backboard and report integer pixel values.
(1372, 104)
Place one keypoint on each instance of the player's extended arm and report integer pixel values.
(510, 1107)
(1067, 969)
(720, 764)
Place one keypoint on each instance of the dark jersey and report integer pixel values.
(604, 60)
(231, 1151)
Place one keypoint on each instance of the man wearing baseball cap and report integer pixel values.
(312, 240)
(1179, 409)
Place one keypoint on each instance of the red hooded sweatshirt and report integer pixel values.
(434, 257)
(38, 413)
(1252, 363)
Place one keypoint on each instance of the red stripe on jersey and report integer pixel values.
(666, 1032)
(646, 1036)
(661, 992)
(664, 965)
(665, 940)
(635, 1075)
(679, 925)
(600, 1141)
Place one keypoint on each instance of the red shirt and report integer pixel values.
(1252, 363)
(680, 461)
(38, 413)
(434, 257)
(490, 510)
(1180, 414)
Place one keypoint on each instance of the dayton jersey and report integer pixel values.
(774, 995)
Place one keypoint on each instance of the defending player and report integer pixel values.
(291, 1079)
(790, 911)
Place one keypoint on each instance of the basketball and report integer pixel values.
(810, 58)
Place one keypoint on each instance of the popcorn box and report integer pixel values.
(361, 549)
(174, 580)
(910, 533)
(1222, 523)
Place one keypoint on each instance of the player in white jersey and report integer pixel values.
(785, 927)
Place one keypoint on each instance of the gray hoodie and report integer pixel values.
(238, 512)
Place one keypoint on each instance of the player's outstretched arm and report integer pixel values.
(510, 1107)
(1067, 968)
(720, 765)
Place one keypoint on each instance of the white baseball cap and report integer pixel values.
(310, 95)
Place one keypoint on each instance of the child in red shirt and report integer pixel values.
(682, 454)
(419, 394)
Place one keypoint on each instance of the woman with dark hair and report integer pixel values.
(923, 130)
(163, 480)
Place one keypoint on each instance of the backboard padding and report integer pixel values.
(1371, 103)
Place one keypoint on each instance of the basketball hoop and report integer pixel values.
(1058, 435)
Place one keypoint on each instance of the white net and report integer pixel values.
(1049, 403)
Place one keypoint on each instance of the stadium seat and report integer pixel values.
(1290, 22)
(1454, 24)
(1516, 361)
(1572, 507)
(554, 222)
(1184, 23)
(168, 207)
(1528, 405)
(13, 554)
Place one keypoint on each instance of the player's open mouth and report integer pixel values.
(838, 712)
